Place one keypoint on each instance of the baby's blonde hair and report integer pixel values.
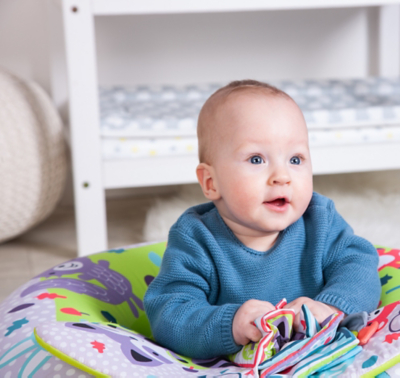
(205, 125)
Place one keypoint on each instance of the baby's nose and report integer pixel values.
(279, 177)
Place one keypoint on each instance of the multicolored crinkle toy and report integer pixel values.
(296, 352)
(276, 328)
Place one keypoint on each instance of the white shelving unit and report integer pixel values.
(92, 175)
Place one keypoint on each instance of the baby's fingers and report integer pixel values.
(294, 306)
(243, 328)
(297, 303)
(254, 334)
(250, 333)
(296, 324)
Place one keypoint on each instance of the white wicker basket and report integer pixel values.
(33, 161)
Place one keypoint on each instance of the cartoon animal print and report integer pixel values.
(117, 290)
(391, 258)
(141, 351)
(381, 315)
(394, 325)
(27, 349)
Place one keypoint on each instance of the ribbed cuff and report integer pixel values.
(226, 329)
(334, 301)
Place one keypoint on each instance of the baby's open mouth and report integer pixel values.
(278, 202)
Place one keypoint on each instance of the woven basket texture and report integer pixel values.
(33, 161)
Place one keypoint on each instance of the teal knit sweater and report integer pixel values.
(207, 273)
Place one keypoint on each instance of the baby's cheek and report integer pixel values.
(304, 195)
(241, 201)
(244, 191)
(246, 196)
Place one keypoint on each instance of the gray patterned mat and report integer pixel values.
(158, 111)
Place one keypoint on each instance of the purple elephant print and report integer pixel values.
(117, 290)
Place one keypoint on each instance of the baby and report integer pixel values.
(264, 236)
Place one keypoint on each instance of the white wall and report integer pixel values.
(24, 39)
(335, 43)
(199, 47)
(227, 46)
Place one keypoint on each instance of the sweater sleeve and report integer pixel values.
(177, 303)
(350, 270)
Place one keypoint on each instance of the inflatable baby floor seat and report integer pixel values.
(85, 318)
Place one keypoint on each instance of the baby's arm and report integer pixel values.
(178, 300)
(350, 270)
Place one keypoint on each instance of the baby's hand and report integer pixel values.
(320, 310)
(242, 328)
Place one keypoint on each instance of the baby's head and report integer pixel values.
(254, 160)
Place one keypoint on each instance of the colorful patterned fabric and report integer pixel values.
(110, 350)
(380, 353)
(276, 328)
(103, 294)
(299, 352)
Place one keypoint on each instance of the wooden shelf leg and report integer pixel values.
(89, 193)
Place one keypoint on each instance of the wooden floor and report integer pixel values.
(54, 241)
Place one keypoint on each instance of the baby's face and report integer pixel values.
(262, 165)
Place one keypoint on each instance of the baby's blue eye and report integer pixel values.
(256, 160)
(295, 160)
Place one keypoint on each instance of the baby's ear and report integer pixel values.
(206, 176)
